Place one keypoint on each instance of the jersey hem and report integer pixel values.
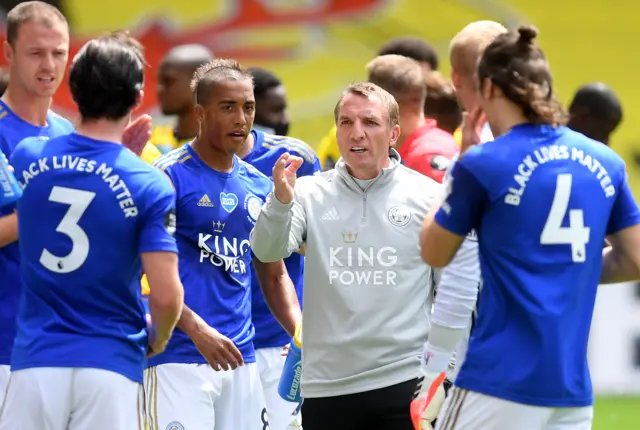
(317, 390)
(250, 358)
(273, 342)
(526, 400)
(137, 377)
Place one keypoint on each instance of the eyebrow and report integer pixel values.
(233, 102)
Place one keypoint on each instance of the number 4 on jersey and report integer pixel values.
(576, 235)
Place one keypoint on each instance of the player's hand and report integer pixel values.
(219, 351)
(137, 134)
(284, 177)
(428, 400)
(285, 350)
(472, 123)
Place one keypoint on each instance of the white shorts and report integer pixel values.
(283, 415)
(465, 409)
(196, 397)
(63, 398)
(5, 372)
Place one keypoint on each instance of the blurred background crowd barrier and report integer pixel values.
(317, 47)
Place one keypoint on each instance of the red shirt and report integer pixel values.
(429, 150)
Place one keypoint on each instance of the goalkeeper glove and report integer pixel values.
(428, 399)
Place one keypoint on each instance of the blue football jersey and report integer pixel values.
(215, 214)
(12, 130)
(542, 200)
(88, 211)
(266, 151)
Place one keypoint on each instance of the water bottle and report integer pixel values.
(289, 386)
(9, 186)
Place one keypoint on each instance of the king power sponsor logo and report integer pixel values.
(361, 265)
(225, 253)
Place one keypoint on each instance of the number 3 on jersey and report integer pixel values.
(576, 235)
(78, 202)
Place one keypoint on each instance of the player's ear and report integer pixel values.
(199, 111)
(455, 79)
(139, 98)
(395, 135)
(8, 52)
(487, 89)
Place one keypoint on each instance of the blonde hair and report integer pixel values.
(398, 75)
(368, 89)
(467, 46)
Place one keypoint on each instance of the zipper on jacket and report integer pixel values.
(364, 207)
(364, 197)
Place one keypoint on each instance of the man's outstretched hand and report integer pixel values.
(137, 134)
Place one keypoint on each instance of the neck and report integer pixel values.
(28, 107)
(188, 125)
(408, 126)
(103, 129)
(212, 156)
(247, 146)
(506, 120)
(368, 173)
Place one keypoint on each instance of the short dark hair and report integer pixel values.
(27, 11)
(515, 63)
(263, 81)
(107, 76)
(595, 111)
(215, 71)
(600, 102)
(412, 47)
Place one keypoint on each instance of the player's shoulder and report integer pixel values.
(282, 144)
(604, 154)
(139, 174)
(31, 148)
(60, 122)
(174, 160)
(256, 179)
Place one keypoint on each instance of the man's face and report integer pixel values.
(227, 118)
(173, 89)
(466, 89)
(364, 134)
(38, 57)
(271, 110)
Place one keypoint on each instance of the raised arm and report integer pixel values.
(281, 226)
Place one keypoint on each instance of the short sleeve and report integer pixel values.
(159, 221)
(461, 211)
(624, 212)
(17, 160)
